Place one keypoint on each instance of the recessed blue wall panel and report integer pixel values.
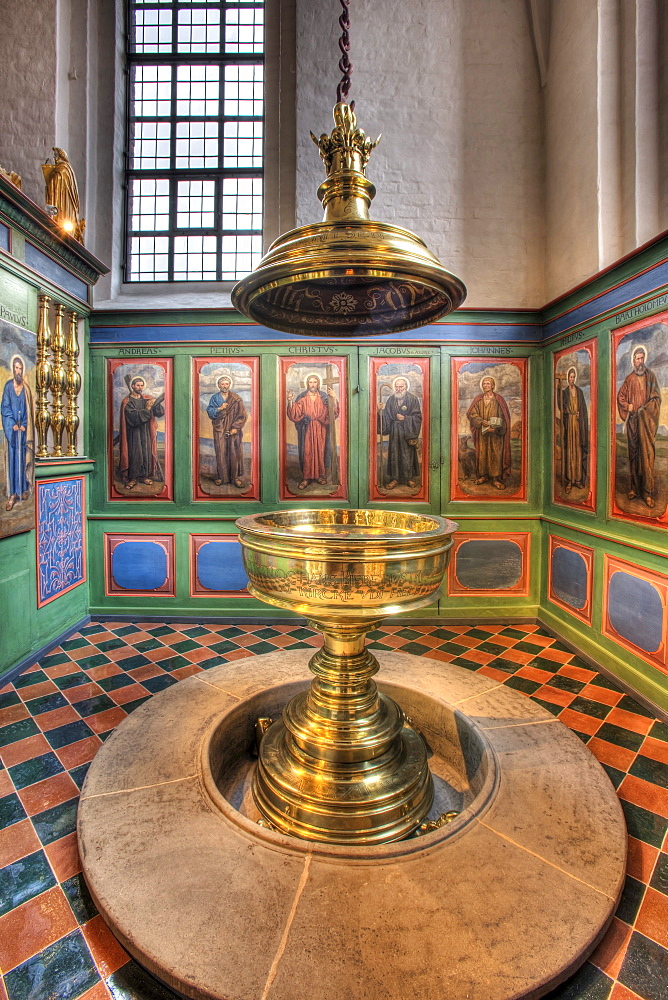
(60, 276)
(488, 564)
(220, 566)
(635, 611)
(569, 577)
(139, 565)
(4, 237)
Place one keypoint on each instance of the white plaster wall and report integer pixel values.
(28, 86)
(453, 86)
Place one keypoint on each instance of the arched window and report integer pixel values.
(195, 139)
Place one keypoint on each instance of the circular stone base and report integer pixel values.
(504, 902)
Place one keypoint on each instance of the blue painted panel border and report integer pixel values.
(456, 332)
(60, 276)
(4, 237)
(61, 552)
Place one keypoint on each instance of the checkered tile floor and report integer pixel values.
(53, 943)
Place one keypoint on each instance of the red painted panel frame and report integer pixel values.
(84, 538)
(315, 360)
(375, 491)
(584, 614)
(590, 346)
(112, 539)
(196, 588)
(521, 538)
(456, 493)
(616, 337)
(611, 565)
(253, 491)
(166, 364)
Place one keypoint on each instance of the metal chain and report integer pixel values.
(345, 64)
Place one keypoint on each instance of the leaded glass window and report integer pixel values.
(194, 178)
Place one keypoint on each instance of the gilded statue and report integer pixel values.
(62, 192)
(12, 177)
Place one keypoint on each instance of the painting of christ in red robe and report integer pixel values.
(313, 414)
(140, 429)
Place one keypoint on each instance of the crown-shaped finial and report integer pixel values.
(347, 148)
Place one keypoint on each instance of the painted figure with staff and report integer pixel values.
(400, 417)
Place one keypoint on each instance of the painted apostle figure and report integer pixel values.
(17, 423)
(401, 419)
(310, 414)
(489, 418)
(139, 435)
(575, 423)
(639, 404)
(228, 416)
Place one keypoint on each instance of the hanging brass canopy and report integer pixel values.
(347, 276)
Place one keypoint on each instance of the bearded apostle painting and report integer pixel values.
(225, 433)
(640, 419)
(574, 448)
(140, 429)
(17, 434)
(399, 418)
(488, 429)
(313, 427)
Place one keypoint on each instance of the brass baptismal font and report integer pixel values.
(343, 764)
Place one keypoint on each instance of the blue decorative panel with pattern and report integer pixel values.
(569, 577)
(220, 567)
(635, 611)
(139, 565)
(60, 276)
(4, 237)
(488, 564)
(61, 558)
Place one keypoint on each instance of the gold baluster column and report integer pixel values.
(57, 382)
(72, 384)
(43, 376)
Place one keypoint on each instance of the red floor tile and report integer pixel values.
(16, 841)
(517, 655)
(16, 753)
(104, 721)
(143, 673)
(58, 717)
(601, 694)
(45, 794)
(187, 671)
(36, 690)
(59, 669)
(104, 670)
(609, 955)
(79, 753)
(63, 857)
(105, 949)
(656, 749)
(534, 674)
(496, 675)
(580, 722)
(628, 720)
(33, 926)
(97, 992)
(559, 656)
(620, 992)
(555, 696)
(121, 653)
(577, 673)
(6, 783)
(478, 656)
(610, 753)
(82, 652)
(652, 919)
(82, 692)
(644, 794)
(641, 859)
(197, 655)
(129, 693)
(439, 654)
(238, 654)
(13, 713)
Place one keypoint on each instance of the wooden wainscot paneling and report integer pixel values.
(489, 429)
(399, 429)
(639, 431)
(634, 610)
(139, 565)
(139, 443)
(226, 438)
(216, 567)
(570, 576)
(485, 562)
(60, 537)
(574, 404)
(313, 428)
